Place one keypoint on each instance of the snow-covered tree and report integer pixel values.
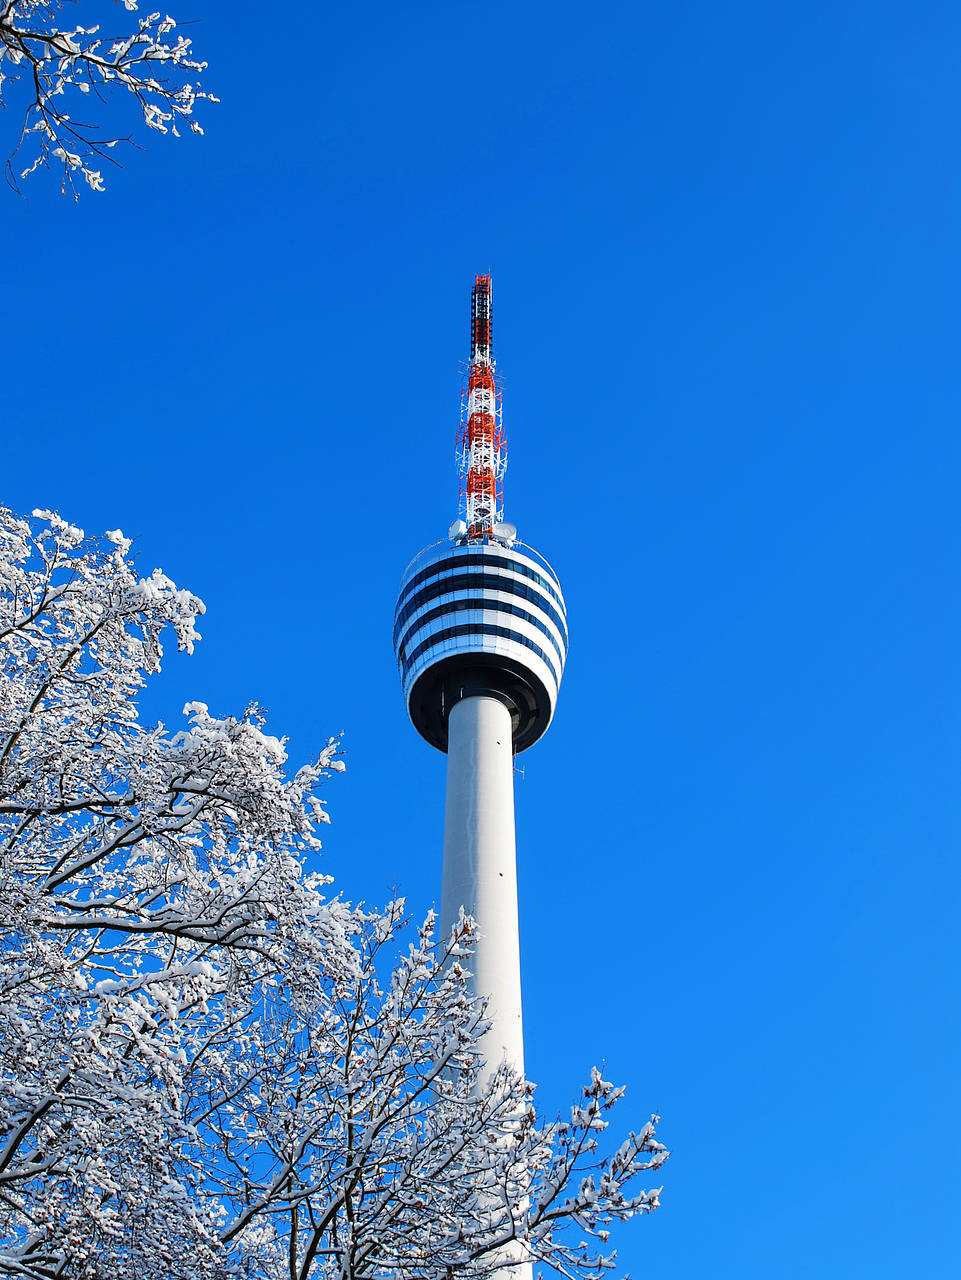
(68, 73)
(209, 1067)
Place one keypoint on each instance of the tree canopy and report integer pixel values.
(209, 1066)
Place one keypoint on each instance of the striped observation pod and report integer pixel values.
(480, 618)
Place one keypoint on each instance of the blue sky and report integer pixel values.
(724, 241)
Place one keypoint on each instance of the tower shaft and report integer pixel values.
(480, 876)
(480, 865)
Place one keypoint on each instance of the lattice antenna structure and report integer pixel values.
(482, 452)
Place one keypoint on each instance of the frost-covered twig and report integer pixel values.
(67, 70)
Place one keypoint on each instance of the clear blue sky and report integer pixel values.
(725, 247)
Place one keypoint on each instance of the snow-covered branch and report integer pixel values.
(67, 77)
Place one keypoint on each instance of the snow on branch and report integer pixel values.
(68, 75)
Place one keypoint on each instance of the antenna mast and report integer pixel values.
(482, 453)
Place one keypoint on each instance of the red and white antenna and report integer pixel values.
(482, 453)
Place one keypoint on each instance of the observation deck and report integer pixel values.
(480, 618)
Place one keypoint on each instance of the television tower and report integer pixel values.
(480, 635)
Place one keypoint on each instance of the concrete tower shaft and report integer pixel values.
(480, 865)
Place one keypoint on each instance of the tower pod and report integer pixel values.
(480, 618)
